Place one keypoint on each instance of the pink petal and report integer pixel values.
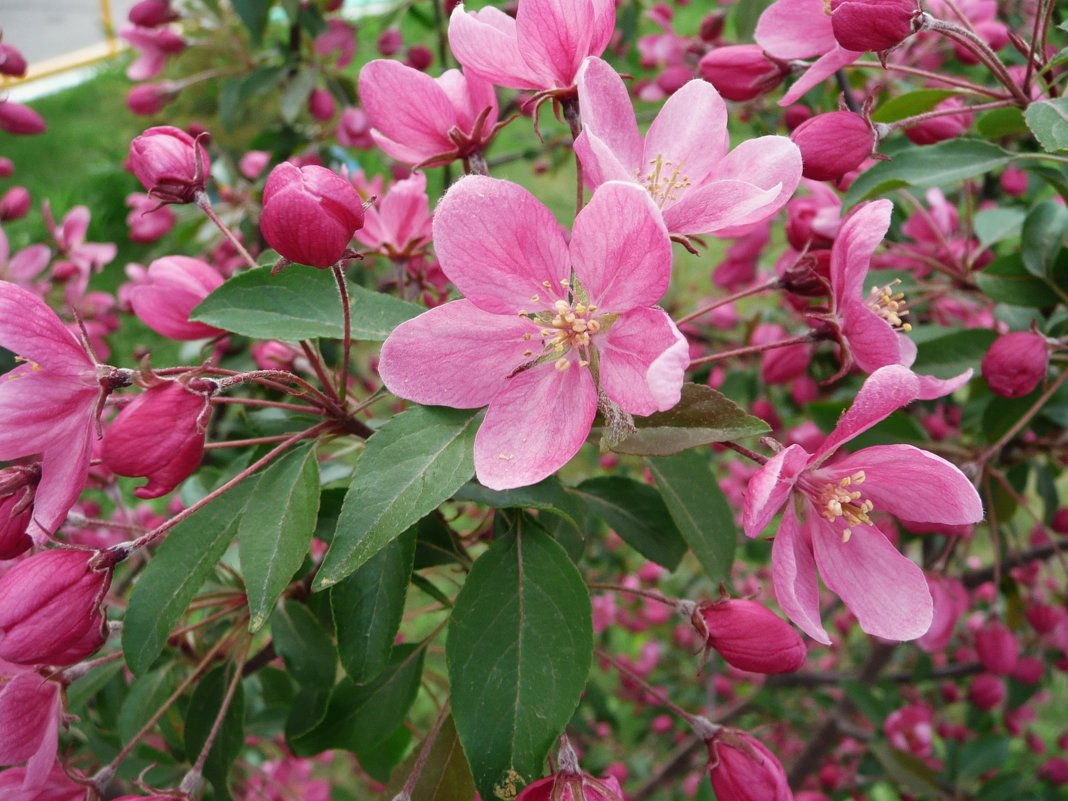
(793, 572)
(36, 409)
(770, 486)
(484, 42)
(64, 472)
(535, 425)
(914, 484)
(854, 246)
(620, 249)
(765, 162)
(402, 153)
(28, 263)
(885, 590)
(871, 341)
(790, 29)
(628, 352)
(820, 71)
(26, 703)
(407, 106)
(884, 392)
(689, 134)
(149, 64)
(501, 247)
(30, 329)
(607, 113)
(469, 95)
(456, 355)
(599, 162)
(718, 205)
(554, 37)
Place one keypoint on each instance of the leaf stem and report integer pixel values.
(203, 202)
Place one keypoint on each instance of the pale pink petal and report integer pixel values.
(599, 162)
(469, 95)
(793, 573)
(35, 408)
(456, 355)
(718, 205)
(535, 425)
(602, 27)
(405, 210)
(790, 29)
(770, 486)
(886, 591)
(765, 162)
(620, 249)
(932, 388)
(28, 263)
(149, 64)
(913, 484)
(820, 71)
(854, 246)
(554, 37)
(608, 115)
(407, 106)
(402, 153)
(64, 472)
(630, 349)
(500, 246)
(30, 329)
(484, 42)
(907, 348)
(871, 341)
(689, 134)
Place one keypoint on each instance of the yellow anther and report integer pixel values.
(546, 284)
(562, 306)
(528, 353)
(562, 364)
(535, 298)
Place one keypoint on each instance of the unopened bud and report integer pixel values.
(876, 25)
(1016, 363)
(741, 768)
(169, 163)
(750, 636)
(997, 648)
(833, 144)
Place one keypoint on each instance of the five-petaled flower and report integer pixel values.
(827, 526)
(548, 331)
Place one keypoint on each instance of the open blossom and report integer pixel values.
(48, 404)
(171, 288)
(30, 712)
(827, 527)
(541, 48)
(399, 225)
(25, 265)
(153, 46)
(147, 220)
(538, 311)
(683, 161)
(422, 120)
(56, 787)
(76, 259)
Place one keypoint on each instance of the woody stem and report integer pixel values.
(753, 290)
(424, 753)
(750, 349)
(1024, 419)
(696, 721)
(203, 202)
(574, 122)
(650, 594)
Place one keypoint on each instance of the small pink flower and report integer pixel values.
(15, 204)
(147, 220)
(399, 225)
(354, 129)
(23, 267)
(826, 526)
(422, 120)
(160, 436)
(170, 290)
(987, 691)
(537, 312)
(749, 636)
(56, 787)
(321, 104)
(340, 38)
(31, 709)
(682, 161)
(741, 768)
(950, 602)
(541, 48)
(253, 163)
(911, 729)
(153, 46)
(77, 259)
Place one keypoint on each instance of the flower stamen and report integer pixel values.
(839, 500)
(890, 305)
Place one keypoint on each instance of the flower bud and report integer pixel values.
(15, 204)
(7, 167)
(309, 214)
(169, 163)
(390, 42)
(18, 484)
(910, 728)
(876, 25)
(1016, 363)
(1014, 181)
(833, 144)
(354, 129)
(12, 62)
(150, 13)
(742, 72)
(30, 711)
(743, 769)
(253, 163)
(1055, 771)
(172, 288)
(147, 99)
(321, 105)
(1043, 617)
(572, 787)
(749, 636)
(419, 58)
(159, 436)
(21, 120)
(1029, 670)
(987, 691)
(939, 129)
(996, 647)
(50, 608)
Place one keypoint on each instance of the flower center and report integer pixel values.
(568, 324)
(664, 180)
(838, 499)
(890, 305)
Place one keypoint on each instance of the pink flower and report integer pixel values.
(18, 484)
(171, 289)
(24, 266)
(77, 259)
(253, 163)
(15, 204)
(683, 160)
(154, 45)
(399, 225)
(147, 220)
(56, 787)
(339, 37)
(797, 29)
(170, 164)
(826, 526)
(911, 729)
(30, 712)
(541, 48)
(48, 405)
(422, 120)
(741, 768)
(537, 311)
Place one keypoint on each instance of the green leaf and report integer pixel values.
(702, 416)
(254, 13)
(275, 531)
(413, 463)
(299, 303)
(359, 717)
(936, 165)
(179, 567)
(1048, 121)
(519, 651)
(638, 514)
(1007, 280)
(700, 511)
(993, 225)
(200, 716)
(546, 496)
(1000, 122)
(304, 645)
(1042, 237)
(82, 690)
(436, 544)
(147, 694)
(908, 772)
(950, 355)
(368, 607)
(910, 104)
(294, 97)
(446, 775)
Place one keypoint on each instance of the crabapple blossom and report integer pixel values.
(170, 289)
(749, 636)
(25, 265)
(153, 46)
(18, 484)
(549, 330)
(56, 787)
(30, 712)
(147, 220)
(170, 164)
(683, 162)
(20, 120)
(12, 62)
(827, 527)
(399, 225)
(741, 768)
